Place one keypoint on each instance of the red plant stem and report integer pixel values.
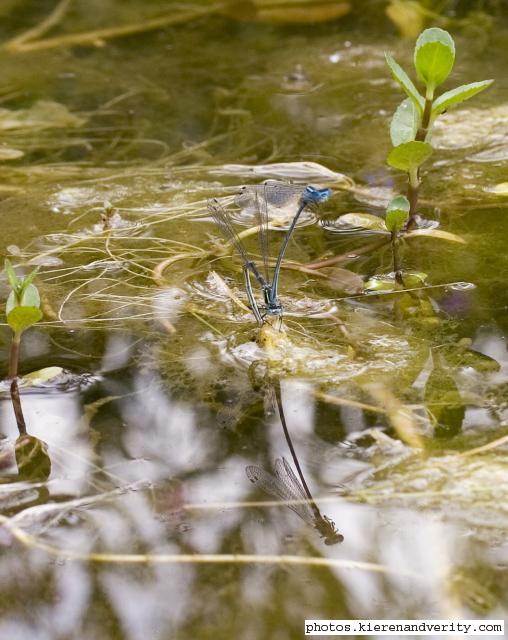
(413, 190)
(16, 405)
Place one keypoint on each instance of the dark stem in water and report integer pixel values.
(13, 376)
(413, 189)
(14, 357)
(396, 257)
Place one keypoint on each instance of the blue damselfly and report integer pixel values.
(285, 486)
(259, 198)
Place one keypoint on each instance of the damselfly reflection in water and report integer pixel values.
(285, 486)
(259, 198)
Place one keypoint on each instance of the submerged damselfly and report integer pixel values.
(259, 198)
(285, 486)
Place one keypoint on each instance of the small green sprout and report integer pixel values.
(23, 304)
(434, 57)
(397, 213)
(22, 310)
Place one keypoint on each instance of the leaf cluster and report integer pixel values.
(23, 304)
(434, 57)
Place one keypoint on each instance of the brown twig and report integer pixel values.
(23, 44)
(345, 257)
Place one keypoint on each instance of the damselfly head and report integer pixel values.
(314, 195)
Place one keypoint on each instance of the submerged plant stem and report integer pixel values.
(14, 357)
(396, 257)
(13, 375)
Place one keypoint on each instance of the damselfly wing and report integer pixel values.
(285, 486)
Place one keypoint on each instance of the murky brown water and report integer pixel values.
(148, 526)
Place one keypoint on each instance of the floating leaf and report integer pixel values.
(6, 153)
(409, 155)
(434, 56)
(363, 221)
(500, 189)
(284, 170)
(404, 124)
(43, 114)
(405, 82)
(439, 234)
(457, 95)
(397, 213)
(40, 376)
(21, 318)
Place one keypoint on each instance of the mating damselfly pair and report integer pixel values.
(285, 486)
(260, 198)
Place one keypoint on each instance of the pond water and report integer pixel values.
(129, 513)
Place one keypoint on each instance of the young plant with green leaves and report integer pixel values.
(22, 310)
(397, 213)
(434, 57)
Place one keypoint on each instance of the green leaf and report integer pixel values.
(405, 123)
(405, 82)
(380, 283)
(11, 275)
(399, 203)
(30, 297)
(414, 279)
(397, 213)
(434, 56)
(396, 219)
(409, 155)
(21, 318)
(459, 94)
(30, 277)
(11, 303)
